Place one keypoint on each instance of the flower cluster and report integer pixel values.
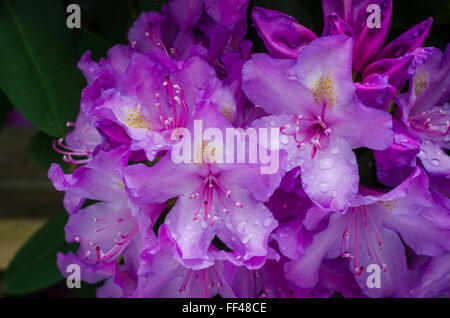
(152, 227)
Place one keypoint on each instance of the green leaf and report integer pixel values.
(109, 19)
(42, 152)
(38, 63)
(93, 42)
(150, 5)
(34, 266)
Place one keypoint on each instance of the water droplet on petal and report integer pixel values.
(267, 222)
(284, 139)
(334, 193)
(334, 151)
(272, 123)
(247, 238)
(203, 224)
(326, 163)
(435, 162)
(323, 187)
(240, 227)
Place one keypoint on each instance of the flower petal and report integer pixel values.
(331, 178)
(272, 84)
(282, 35)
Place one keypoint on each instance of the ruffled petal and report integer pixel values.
(282, 35)
(331, 178)
(246, 230)
(226, 12)
(434, 159)
(185, 12)
(272, 84)
(168, 176)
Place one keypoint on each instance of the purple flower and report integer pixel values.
(269, 281)
(368, 233)
(162, 275)
(285, 38)
(314, 102)
(368, 41)
(149, 102)
(226, 12)
(214, 199)
(103, 229)
(422, 124)
(308, 229)
(432, 276)
(282, 35)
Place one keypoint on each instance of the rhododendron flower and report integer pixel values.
(422, 123)
(369, 233)
(215, 198)
(383, 69)
(156, 213)
(431, 276)
(315, 104)
(103, 229)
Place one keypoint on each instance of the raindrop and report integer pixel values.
(267, 222)
(334, 151)
(247, 238)
(240, 227)
(334, 193)
(272, 123)
(284, 139)
(326, 163)
(323, 187)
(435, 162)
